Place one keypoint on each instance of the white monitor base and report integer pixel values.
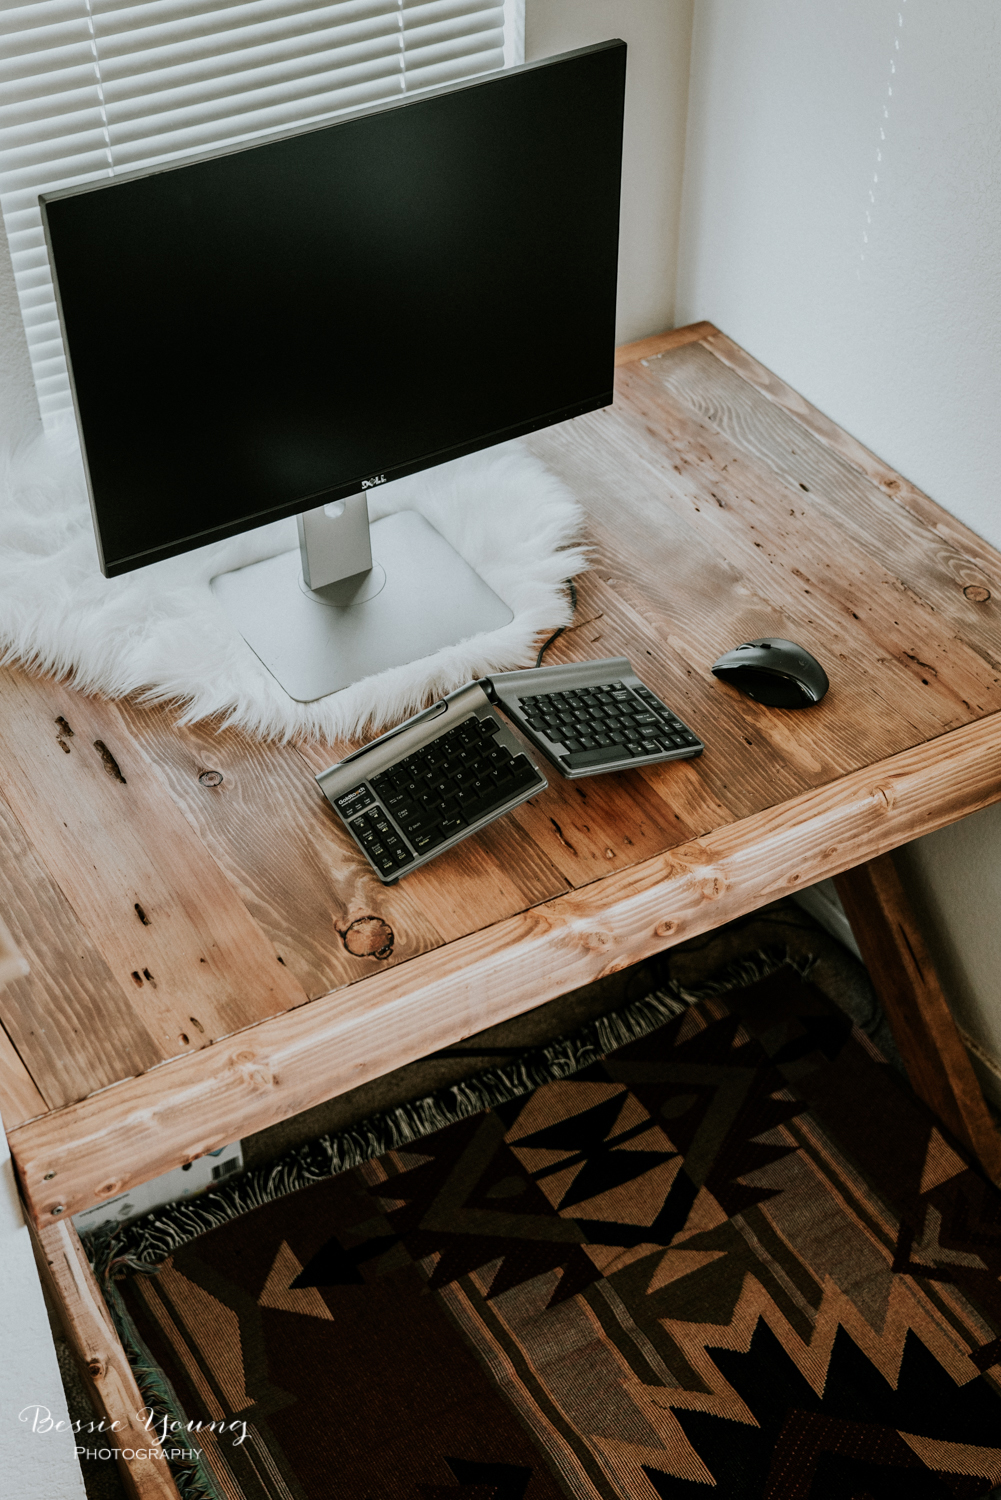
(419, 597)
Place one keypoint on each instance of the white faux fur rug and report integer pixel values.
(159, 633)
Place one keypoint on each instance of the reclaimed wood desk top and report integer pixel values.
(206, 960)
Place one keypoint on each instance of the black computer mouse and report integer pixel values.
(775, 672)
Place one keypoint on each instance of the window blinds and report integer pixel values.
(90, 88)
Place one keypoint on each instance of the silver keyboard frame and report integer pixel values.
(417, 733)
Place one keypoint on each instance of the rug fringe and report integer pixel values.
(145, 1242)
(190, 1476)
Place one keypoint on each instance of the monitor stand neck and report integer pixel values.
(335, 544)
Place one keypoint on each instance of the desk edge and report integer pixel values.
(298, 1059)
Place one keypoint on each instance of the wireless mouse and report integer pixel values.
(775, 672)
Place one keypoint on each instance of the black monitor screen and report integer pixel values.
(257, 333)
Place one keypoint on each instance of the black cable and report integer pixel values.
(573, 604)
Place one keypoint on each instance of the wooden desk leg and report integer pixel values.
(97, 1346)
(904, 978)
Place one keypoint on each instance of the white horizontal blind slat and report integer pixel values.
(89, 88)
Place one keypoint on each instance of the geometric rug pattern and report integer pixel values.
(734, 1259)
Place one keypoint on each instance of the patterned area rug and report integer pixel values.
(733, 1257)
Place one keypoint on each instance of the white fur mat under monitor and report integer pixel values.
(159, 633)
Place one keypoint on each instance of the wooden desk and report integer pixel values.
(207, 960)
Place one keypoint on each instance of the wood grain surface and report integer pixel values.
(101, 1146)
(12, 965)
(20, 1099)
(186, 940)
(657, 343)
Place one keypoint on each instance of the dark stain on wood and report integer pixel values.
(562, 837)
(110, 763)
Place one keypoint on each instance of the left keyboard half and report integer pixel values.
(438, 778)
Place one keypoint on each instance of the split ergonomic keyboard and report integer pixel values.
(449, 771)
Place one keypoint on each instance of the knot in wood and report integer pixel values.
(664, 929)
(977, 593)
(95, 1368)
(210, 778)
(596, 940)
(369, 937)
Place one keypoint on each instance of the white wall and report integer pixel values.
(36, 1461)
(658, 35)
(842, 220)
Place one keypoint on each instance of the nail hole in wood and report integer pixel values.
(369, 937)
(110, 763)
(804, 486)
(137, 977)
(183, 1038)
(64, 728)
(210, 778)
(144, 919)
(281, 961)
(48, 1176)
(197, 1024)
(149, 978)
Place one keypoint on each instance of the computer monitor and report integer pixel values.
(274, 329)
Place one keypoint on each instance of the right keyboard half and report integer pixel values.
(588, 717)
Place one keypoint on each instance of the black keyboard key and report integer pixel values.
(606, 755)
(422, 821)
(453, 825)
